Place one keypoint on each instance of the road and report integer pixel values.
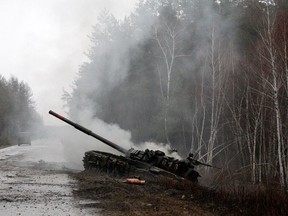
(34, 180)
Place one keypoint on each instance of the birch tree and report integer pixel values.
(269, 55)
(168, 35)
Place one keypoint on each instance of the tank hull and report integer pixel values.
(120, 166)
(147, 161)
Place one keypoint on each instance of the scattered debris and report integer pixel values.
(134, 181)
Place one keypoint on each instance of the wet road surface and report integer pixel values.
(34, 180)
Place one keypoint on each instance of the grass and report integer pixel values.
(240, 201)
(167, 196)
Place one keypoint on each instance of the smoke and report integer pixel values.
(161, 147)
(75, 143)
(110, 65)
(107, 73)
(71, 144)
(108, 68)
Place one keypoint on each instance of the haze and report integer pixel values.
(43, 43)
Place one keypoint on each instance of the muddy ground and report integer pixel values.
(166, 196)
(37, 188)
(156, 197)
(35, 180)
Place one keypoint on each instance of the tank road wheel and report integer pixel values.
(121, 168)
(116, 167)
(91, 162)
(106, 162)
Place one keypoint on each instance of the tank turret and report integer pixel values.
(134, 160)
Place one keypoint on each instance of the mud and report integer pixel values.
(37, 180)
(156, 197)
(29, 186)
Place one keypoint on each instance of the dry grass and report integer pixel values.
(165, 196)
(239, 201)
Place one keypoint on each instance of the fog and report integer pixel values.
(111, 60)
(51, 39)
(43, 43)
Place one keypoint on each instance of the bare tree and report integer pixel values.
(269, 55)
(168, 37)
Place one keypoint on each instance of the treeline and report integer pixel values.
(17, 113)
(202, 76)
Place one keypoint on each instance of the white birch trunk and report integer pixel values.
(275, 99)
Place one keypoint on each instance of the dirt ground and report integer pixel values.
(35, 180)
(156, 197)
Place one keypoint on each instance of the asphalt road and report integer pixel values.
(34, 180)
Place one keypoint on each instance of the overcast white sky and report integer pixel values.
(42, 42)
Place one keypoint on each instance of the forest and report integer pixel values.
(208, 77)
(17, 111)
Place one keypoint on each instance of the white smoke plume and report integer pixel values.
(84, 109)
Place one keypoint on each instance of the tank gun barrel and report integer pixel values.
(204, 164)
(89, 132)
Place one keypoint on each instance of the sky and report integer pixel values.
(43, 43)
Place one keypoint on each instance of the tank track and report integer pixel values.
(119, 166)
(116, 166)
(107, 163)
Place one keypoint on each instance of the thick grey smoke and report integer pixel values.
(110, 70)
(75, 143)
(114, 70)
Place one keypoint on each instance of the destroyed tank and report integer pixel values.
(133, 162)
